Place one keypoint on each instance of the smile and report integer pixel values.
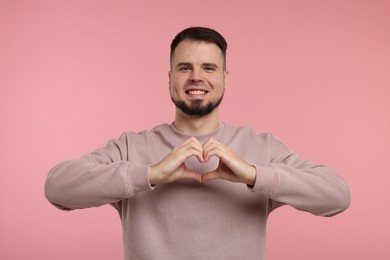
(196, 92)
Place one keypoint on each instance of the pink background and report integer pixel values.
(75, 74)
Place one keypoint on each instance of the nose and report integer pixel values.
(196, 76)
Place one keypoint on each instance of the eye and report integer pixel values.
(209, 68)
(184, 68)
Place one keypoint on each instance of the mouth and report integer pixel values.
(196, 92)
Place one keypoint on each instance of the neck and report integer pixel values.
(195, 125)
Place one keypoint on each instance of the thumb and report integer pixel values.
(190, 174)
(210, 176)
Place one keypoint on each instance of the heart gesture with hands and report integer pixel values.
(231, 167)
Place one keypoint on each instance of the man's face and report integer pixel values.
(197, 78)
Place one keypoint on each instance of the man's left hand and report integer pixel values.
(231, 167)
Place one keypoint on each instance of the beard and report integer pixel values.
(195, 108)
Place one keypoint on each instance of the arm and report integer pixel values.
(302, 184)
(288, 179)
(105, 176)
(101, 177)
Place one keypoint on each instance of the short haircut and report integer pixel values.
(201, 34)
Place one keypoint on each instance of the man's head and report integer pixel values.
(200, 34)
(198, 70)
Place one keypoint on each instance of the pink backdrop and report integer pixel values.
(76, 73)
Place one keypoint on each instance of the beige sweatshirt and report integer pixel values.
(190, 220)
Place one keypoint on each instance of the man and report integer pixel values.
(160, 180)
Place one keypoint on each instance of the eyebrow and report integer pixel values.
(210, 65)
(183, 64)
(206, 64)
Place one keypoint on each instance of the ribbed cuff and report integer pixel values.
(137, 180)
(266, 180)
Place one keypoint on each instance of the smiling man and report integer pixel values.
(196, 188)
(198, 76)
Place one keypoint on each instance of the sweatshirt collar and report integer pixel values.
(216, 134)
(174, 137)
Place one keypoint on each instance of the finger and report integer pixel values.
(187, 149)
(190, 143)
(210, 142)
(194, 144)
(173, 161)
(200, 158)
(198, 146)
(198, 155)
(208, 147)
(183, 156)
(214, 149)
(195, 141)
(190, 174)
(210, 176)
(207, 154)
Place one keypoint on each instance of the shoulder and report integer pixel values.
(262, 136)
(143, 136)
(247, 135)
(134, 138)
(130, 142)
(242, 136)
(250, 132)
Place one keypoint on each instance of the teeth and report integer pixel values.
(196, 92)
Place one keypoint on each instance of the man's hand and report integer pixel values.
(231, 167)
(172, 167)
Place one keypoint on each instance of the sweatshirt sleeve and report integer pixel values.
(302, 184)
(104, 176)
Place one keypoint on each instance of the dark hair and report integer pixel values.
(200, 34)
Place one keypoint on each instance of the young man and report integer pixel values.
(160, 180)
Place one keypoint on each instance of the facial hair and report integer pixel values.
(196, 108)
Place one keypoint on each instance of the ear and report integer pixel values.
(169, 77)
(226, 77)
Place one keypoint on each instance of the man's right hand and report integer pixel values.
(172, 167)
